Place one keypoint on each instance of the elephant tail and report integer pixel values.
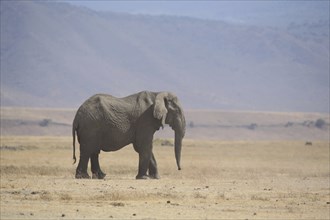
(74, 127)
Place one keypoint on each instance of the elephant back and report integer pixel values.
(103, 110)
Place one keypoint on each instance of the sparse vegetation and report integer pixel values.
(308, 123)
(45, 122)
(199, 195)
(289, 124)
(260, 198)
(252, 126)
(163, 142)
(118, 204)
(46, 196)
(167, 143)
(65, 197)
(320, 123)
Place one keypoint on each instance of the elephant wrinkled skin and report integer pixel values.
(107, 123)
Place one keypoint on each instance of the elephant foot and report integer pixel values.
(82, 175)
(145, 177)
(154, 176)
(142, 177)
(98, 175)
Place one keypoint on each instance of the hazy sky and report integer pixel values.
(255, 12)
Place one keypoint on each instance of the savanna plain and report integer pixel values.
(256, 178)
(219, 179)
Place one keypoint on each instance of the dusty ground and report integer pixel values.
(240, 180)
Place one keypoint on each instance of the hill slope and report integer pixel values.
(55, 54)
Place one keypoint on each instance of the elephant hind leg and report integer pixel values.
(81, 171)
(95, 167)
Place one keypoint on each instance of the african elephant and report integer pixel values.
(104, 122)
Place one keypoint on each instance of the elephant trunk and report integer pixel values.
(177, 147)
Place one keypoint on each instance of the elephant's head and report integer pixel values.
(168, 109)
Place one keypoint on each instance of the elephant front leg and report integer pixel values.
(153, 171)
(143, 146)
(144, 161)
(95, 167)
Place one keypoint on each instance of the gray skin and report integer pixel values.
(107, 123)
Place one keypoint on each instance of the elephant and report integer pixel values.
(104, 122)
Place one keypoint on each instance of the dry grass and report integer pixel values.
(233, 179)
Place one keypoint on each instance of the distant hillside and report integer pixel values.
(57, 55)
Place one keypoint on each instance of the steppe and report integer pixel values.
(248, 178)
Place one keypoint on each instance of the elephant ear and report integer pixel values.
(160, 110)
